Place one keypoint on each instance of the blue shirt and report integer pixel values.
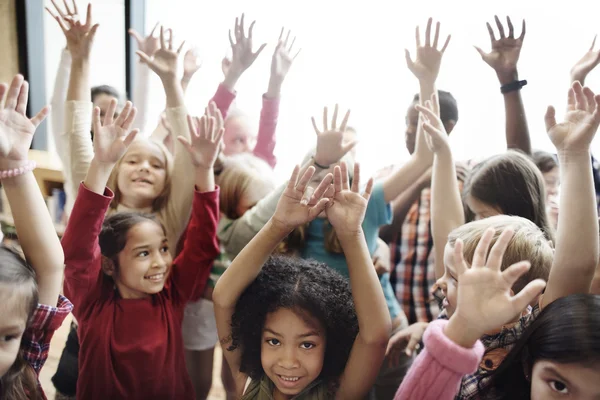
(378, 213)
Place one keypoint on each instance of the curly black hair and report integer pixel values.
(304, 285)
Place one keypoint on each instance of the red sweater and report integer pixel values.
(133, 349)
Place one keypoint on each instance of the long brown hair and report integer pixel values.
(513, 183)
(20, 381)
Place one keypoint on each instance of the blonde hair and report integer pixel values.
(161, 200)
(240, 171)
(528, 243)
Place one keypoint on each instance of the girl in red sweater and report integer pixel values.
(129, 294)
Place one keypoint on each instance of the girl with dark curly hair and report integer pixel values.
(293, 329)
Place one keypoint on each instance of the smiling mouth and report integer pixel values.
(156, 277)
(141, 180)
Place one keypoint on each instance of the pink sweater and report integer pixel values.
(437, 372)
(265, 142)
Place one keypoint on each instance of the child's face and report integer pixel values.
(142, 174)
(144, 263)
(292, 351)
(448, 283)
(550, 380)
(12, 326)
(480, 209)
(256, 191)
(238, 138)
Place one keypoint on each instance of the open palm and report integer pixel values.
(282, 57)
(241, 48)
(586, 64)
(164, 62)
(347, 210)
(16, 130)
(581, 121)
(112, 138)
(429, 58)
(80, 37)
(506, 50)
(331, 146)
(206, 136)
(298, 205)
(484, 291)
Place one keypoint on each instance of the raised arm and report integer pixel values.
(346, 214)
(295, 208)
(32, 220)
(576, 255)
(503, 59)
(191, 64)
(280, 65)
(586, 64)
(426, 68)
(78, 106)
(447, 211)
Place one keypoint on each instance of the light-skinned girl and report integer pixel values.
(576, 255)
(303, 353)
(32, 307)
(129, 294)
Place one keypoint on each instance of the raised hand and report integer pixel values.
(148, 44)
(164, 60)
(347, 210)
(112, 138)
(426, 67)
(242, 55)
(207, 134)
(407, 340)
(16, 130)
(581, 122)
(485, 302)
(191, 64)
(282, 57)
(330, 141)
(435, 133)
(299, 204)
(588, 62)
(505, 51)
(80, 37)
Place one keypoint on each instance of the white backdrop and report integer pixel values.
(353, 53)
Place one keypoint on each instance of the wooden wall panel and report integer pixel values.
(9, 48)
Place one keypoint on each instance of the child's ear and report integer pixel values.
(449, 125)
(108, 266)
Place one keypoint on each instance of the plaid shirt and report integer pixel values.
(413, 275)
(496, 348)
(35, 342)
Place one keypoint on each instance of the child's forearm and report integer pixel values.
(205, 179)
(36, 232)
(97, 176)
(79, 80)
(371, 308)
(173, 92)
(576, 255)
(447, 211)
(233, 75)
(404, 177)
(247, 265)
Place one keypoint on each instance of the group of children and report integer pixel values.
(181, 239)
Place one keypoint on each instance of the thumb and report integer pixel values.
(409, 61)
(349, 146)
(130, 137)
(412, 344)
(550, 118)
(481, 52)
(144, 57)
(138, 38)
(522, 299)
(318, 209)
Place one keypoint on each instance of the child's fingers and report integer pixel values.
(428, 113)
(589, 97)
(314, 124)
(337, 179)
(163, 43)
(345, 179)
(130, 118)
(459, 261)
(96, 124)
(515, 271)
(550, 118)
(294, 177)
(124, 114)
(526, 296)
(201, 122)
(345, 120)
(409, 61)
(180, 47)
(191, 126)
(580, 101)
(318, 208)
(40, 116)
(219, 136)
(368, 190)
(304, 179)
(186, 143)
(3, 89)
(436, 35)
(13, 92)
(322, 188)
(494, 260)
(356, 179)
(349, 146)
(480, 256)
(334, 118)
(435, 104)
(412, 345)
(428, 33)
(210, 133)
(131, 137)
(23, 98)
(325, 119)
(110, 112)
(307, 195)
